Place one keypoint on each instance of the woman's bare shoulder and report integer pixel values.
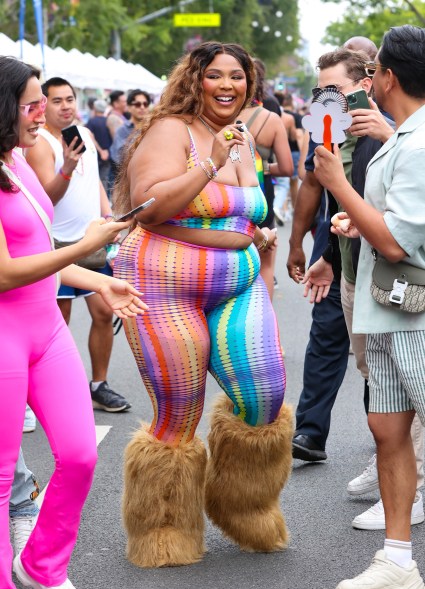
(170, 124)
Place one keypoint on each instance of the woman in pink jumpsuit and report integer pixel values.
(39, 362)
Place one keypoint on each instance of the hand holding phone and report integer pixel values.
(69, 133)
(357, 99)
(136, 210)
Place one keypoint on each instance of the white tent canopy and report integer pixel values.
(84, 70)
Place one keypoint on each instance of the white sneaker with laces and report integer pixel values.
(374, 517)
(21, 529)
(367, 481)
(385, 574)
(28, 581)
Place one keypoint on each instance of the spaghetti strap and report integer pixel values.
(264, 122)
(251, 147)
(253, 117)
(193, 159)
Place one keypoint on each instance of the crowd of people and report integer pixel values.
(193, 282)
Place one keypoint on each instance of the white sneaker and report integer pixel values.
(21, 528)
(280, 219)
(385, 574)
(367, 481)
(28, 581)
(374, 517)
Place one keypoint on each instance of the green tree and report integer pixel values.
(372, 18)
(162, 43)
(89, 26)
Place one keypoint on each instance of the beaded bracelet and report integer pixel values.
(213, 167)
(209, 174)
(262, 246)
(64, 176)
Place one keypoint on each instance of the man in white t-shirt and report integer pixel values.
(71, 179)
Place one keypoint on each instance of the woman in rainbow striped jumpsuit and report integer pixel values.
(194, 255)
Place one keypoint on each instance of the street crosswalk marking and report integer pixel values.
(101, 432)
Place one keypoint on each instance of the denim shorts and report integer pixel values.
(69, 292)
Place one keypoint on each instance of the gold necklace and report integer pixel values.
(234, 153)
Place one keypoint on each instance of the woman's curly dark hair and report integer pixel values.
(14, 76)
(183, 98)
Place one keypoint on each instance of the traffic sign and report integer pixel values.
(197, 19)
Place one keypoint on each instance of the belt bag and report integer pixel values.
(400, 286)
(93, 261)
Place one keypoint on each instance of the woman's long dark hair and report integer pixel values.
(14, 76)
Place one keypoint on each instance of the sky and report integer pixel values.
(315, 16)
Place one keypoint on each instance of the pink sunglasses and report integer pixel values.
(34, 109)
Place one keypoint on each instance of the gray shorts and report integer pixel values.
(396, 364)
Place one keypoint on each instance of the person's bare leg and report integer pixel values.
(396, 470)
(100, 337)
(65, 306)
(293, 189)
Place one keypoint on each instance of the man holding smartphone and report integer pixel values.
(70, 176)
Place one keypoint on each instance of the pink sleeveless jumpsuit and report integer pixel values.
(39, 363)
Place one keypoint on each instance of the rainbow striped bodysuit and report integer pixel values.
(208, 310)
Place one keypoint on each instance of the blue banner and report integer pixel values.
(22, 24)
(38, 13)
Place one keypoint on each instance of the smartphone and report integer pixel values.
(133, 212)
(240, 126)
(357, 99)
(69, 133)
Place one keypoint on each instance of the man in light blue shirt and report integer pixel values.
(391, 220)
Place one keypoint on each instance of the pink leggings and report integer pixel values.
(39, 362)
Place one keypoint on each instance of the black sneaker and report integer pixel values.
(107, 399)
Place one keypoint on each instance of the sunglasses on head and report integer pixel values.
(371, 67)
(34, 109)
(139, 103)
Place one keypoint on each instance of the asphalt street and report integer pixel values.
(324, 548)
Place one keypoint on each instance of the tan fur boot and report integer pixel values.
(247, 470)
(164, 488)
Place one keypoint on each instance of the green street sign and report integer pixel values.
(197, 19)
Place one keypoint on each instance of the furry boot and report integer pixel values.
(164, 488)
(247, 470)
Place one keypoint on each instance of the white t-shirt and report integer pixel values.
(81, 202)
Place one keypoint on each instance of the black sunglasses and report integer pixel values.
(334, 87)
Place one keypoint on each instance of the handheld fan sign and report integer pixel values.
(328, 118)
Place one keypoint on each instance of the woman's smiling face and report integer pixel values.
(224, 86)
(30, 123)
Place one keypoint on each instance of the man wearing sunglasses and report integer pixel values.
(138, 102)
(391, 219)
(369, 130)
(327, 351)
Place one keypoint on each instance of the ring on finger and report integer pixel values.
(228, 135)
